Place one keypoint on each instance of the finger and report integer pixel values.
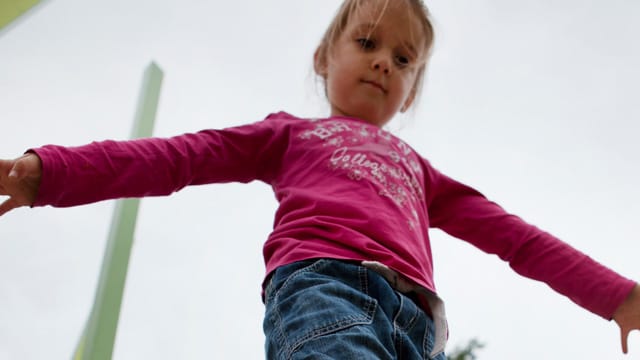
(3, 182)
(17, 170)
(5, 165)
(8, 168)
(28, 165)
(7, 206)
(624, 335)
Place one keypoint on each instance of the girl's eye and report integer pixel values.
(366, 43)
(402, 60)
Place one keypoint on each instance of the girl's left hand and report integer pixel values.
(628, 316)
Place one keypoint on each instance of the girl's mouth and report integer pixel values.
(376, 85)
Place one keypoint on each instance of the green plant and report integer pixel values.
(468, 352)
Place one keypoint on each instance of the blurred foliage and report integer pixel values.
(468, 352)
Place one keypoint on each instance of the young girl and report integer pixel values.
(349, 266)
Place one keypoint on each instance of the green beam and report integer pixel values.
(99, 335)
(12, 9)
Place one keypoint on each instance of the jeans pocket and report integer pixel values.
(316, 300)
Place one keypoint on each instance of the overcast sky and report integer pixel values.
(536, 104)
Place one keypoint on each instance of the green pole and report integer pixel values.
(10, 10)
(99, 335)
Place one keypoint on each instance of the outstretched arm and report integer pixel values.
(628, 316)
(20, 180)
(466, 214)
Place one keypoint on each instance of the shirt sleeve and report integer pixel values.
(158, 166)
(466, 214)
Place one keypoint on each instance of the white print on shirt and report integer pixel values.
(326, 130)
(355, 150)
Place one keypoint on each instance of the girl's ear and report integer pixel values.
(320, 63)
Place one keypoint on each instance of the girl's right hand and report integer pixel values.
(20, 180)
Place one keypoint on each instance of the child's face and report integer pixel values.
(371, 70)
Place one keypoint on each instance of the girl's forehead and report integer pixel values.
(394, 17)
(388, 9)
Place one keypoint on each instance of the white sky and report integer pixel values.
(536, 104)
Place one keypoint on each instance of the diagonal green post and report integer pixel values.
(10, 10)
(99, 335)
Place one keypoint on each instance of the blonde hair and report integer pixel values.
(350, 7)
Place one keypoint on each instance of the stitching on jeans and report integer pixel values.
(397, 338)
(368, 307)
(416, 316)
(340, 325)
(278, 331)
(268, 291)
(312, 267)
(364, 279)
(278, 323)
(416, 313)
(426, 349)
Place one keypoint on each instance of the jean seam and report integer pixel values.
(368, 309)
(397, 336)
(399, 330)
(427, 346)
(397, 341)
(268, 290)
(363, 274)
(412, 322)
(281, 338)
(312, 267)
(343, 324)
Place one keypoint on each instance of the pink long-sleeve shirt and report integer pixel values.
(346, 190)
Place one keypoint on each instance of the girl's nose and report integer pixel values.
(381, 63)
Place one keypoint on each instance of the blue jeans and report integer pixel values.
(331, 309)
